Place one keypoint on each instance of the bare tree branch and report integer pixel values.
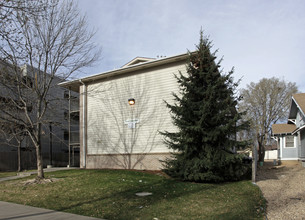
(54, 42)
(266, 102)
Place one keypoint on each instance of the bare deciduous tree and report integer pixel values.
(266, 103)
(13, 135)
(9, 11)
(54, 44)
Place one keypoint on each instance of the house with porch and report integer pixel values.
(122, 111)
(290, 137)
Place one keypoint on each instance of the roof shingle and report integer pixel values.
(300, 99)
(283, 128)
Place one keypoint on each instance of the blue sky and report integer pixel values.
(260, 38)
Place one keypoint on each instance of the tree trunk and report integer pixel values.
(261, 150)
(254, 162)
(40, 173)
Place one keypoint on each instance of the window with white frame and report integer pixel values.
(289, 141)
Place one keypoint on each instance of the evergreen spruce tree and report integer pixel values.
(207, 120)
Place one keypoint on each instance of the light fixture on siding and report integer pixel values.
(131, 101)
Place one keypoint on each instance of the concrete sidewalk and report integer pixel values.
(10, 211)
(25, 174)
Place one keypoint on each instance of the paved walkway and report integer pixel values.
(11, 211)
(24, 174)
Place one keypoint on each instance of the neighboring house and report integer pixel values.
(291, 136)
(123, 110)
(55, 137)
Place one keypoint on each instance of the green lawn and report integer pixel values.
(110, 194)
(13, 173)
(6, 174)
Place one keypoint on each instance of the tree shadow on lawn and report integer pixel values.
(126, 203)
(167, 196)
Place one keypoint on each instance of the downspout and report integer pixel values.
(84, 123)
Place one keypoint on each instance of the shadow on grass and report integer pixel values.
(130, 204)
(167, 194)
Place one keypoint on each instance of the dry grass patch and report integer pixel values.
(39, 181)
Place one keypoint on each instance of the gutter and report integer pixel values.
(298, 129)
(84, 123)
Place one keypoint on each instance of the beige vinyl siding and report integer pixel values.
(108, 109)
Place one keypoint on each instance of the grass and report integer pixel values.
(110, 194)
(6, 174)
(12, 173)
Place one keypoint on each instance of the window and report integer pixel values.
(66, 95)
(74, 116)
(66, 115)
(29, 108)
(289, 141)
(27, 82)
(66, 135)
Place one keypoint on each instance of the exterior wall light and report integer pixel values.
(131, 101)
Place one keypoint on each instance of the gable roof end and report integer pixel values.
(138, 60)
(283, 128)
(300, 101)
